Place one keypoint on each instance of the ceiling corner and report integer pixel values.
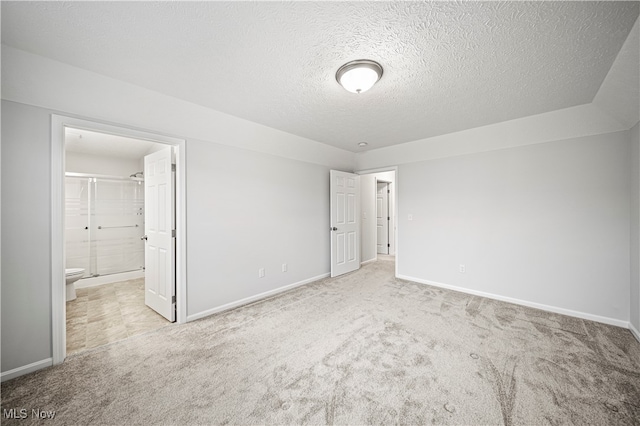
(619, 94)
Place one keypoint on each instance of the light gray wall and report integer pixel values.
(245, 210)
(635, 228)
(26, 230)
(227, 211)
(36, 80)
(581, 120)
(545, 223)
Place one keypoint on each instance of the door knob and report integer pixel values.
(144, 237)
(333, 229)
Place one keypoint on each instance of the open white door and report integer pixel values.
(345, 222)
(382, 217)
(159, 253)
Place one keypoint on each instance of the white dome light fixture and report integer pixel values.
(359, 76)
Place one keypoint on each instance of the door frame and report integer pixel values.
(396, 205)
(383, 182)
(58, 301)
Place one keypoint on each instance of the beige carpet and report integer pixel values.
(364, 348)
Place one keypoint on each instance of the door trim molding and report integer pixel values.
(58, 302)
(634, 331)
(386, 186)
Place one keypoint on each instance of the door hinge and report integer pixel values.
(388, 191)
(173, 167)
(388, 245)
(173, 233)
(173, 299)
(388, 218)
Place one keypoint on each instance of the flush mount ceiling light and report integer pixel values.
(362, 144)
(359, 76)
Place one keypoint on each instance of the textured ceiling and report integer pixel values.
(448, 66)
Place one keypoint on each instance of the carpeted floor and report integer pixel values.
(364, 348)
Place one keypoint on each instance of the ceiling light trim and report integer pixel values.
(358, 85)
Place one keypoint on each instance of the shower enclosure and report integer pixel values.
(104, 224)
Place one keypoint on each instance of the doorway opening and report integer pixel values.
(383, 217)
(118, 243)
(353, 221)
(379, 214)
(105, 236)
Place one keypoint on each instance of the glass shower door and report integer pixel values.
(118, 225)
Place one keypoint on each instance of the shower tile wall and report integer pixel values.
(104, 223)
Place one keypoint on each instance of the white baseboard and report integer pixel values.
(368, 261)
(107, 279)
(26, 369)
(250, 299)
(554, 309)
(635, 332)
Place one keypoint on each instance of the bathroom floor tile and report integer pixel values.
(108, 313)
(79, 321)
(107, 308)
(128, 310)
(106, 335)
(77, 308)
(102, 295)
(107, 321)
(76, 345)
(80, 292)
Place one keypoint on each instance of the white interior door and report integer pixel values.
(345, 222)
(382, 217)
(159, 253)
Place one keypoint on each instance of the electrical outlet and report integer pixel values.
(284, 267)
(261, 273)
(462, 269)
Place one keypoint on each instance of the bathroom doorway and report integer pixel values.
(102, 211)
(104, 239)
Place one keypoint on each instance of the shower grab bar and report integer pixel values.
(113, 227)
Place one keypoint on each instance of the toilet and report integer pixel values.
(72, 275)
